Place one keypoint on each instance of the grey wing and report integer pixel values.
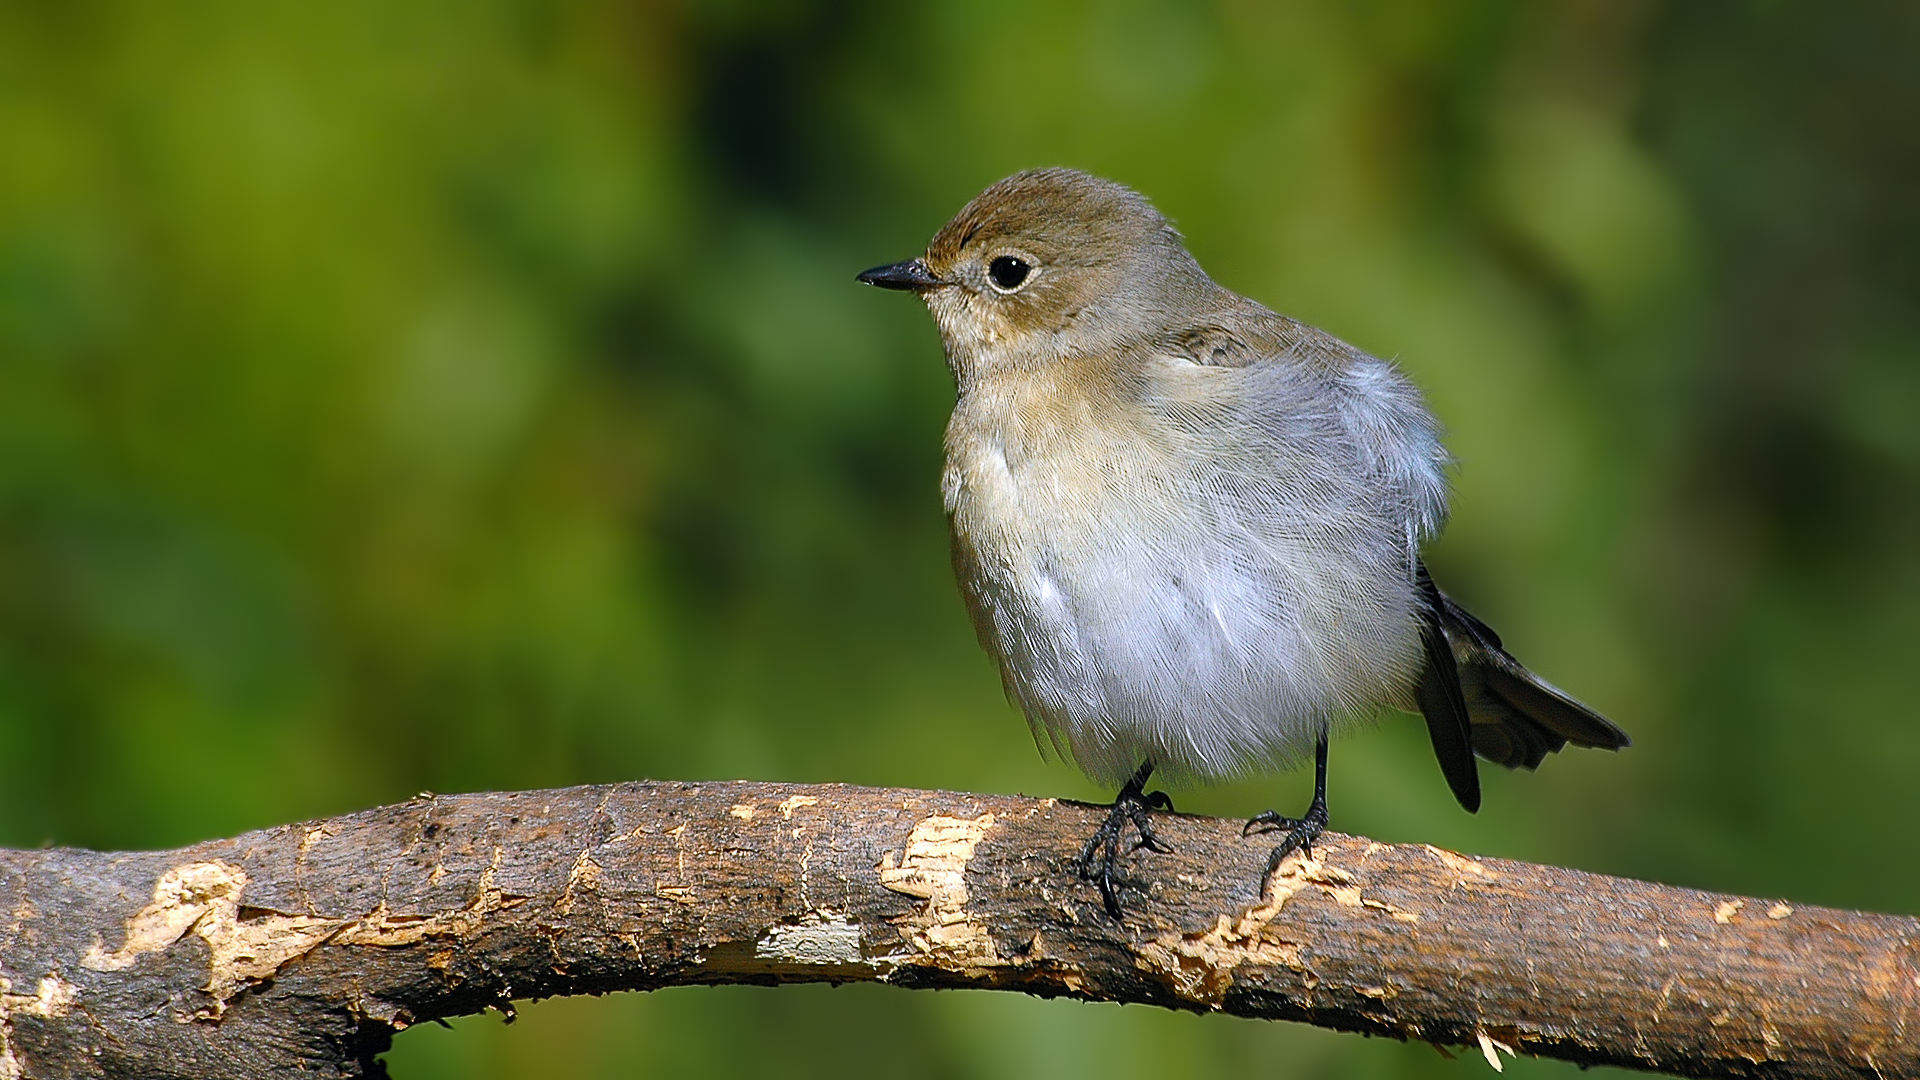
(1388, 429)
(1515, 717)
(1396, 439)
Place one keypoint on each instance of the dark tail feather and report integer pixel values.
(1517, 717)
(1442, 701)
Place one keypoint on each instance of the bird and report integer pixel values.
(1189, 528)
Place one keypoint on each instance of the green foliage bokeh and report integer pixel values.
(408, 395)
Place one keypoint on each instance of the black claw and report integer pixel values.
(1129, 808)
(1267, 821)
(1151, 843)
(1301, 833)
(1303, 830)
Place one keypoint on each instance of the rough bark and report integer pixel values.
(300, 950)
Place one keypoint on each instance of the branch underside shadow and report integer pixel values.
(300, 950)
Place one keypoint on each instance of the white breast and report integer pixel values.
(1186, 577)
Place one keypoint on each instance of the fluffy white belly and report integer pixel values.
(1211, 622)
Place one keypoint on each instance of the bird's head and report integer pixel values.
(1045, 265)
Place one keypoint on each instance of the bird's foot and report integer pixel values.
(1102, 853)
(1301, 831)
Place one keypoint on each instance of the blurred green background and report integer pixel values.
(404, 395)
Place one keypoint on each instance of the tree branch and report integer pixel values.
(300, 950)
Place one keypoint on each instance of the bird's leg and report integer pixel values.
(1097, 859)
(1303, 830)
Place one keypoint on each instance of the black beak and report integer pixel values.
(910, 275)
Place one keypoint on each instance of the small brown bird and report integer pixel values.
(1189, 528)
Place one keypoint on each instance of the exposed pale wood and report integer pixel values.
(299, 950)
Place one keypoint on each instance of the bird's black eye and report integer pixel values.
(1008, 272)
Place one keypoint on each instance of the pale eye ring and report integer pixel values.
(1008, 272)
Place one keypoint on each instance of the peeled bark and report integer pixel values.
(301, 949)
